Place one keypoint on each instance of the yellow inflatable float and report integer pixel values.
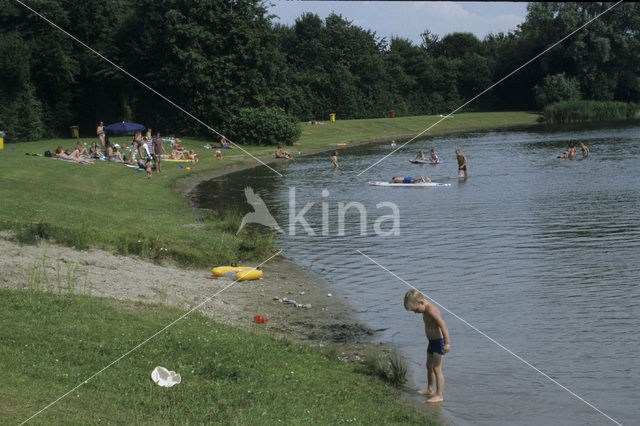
(240, 273)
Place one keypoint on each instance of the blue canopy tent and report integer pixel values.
(124, 127)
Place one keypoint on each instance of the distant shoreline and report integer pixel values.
(187, 184)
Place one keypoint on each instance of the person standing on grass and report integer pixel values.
(100, 133)
(462, 163)
(438, 336)
(158, 152)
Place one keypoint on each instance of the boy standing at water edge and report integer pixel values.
(438, 336)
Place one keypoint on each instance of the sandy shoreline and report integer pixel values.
(329, 321)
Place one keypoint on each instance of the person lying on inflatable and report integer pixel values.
(398, 179)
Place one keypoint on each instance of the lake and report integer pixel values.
(540, 254)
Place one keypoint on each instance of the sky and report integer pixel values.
(410, 19)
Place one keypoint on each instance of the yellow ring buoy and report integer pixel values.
(253, 274)
(240, 273)
(219, 271)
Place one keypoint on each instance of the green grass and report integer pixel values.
(117, 208)
(346, 131)
(52, 343)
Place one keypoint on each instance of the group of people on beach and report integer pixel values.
(145, 153)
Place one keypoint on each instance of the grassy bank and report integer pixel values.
(319, 136)
(52, 343)
(110, 206)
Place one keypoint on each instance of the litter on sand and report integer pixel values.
(164, 377)
(293, 302)
(259, 319)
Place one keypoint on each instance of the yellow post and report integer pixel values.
(332, 118)
(75, 132)
(1, 140)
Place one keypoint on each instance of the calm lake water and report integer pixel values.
(539, 253)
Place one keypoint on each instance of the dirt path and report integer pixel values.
(328, 321)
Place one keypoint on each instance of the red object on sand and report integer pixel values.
(259, 319)
(210, 277)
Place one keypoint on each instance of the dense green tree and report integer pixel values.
(556, 88)
(215, 58)
(211, 58)
(20, 110)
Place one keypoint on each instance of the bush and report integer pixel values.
(581, 111)
(557, 88)
(264, 126)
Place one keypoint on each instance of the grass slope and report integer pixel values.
(51, 343)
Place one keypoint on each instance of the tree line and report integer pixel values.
(219, 59)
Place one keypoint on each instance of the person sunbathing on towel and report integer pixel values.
(74, 156)
(225, 144)
(177, 154)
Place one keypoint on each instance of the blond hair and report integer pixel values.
(411, 299)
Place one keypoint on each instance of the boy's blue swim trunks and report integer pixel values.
(408, 179)
(436, 345)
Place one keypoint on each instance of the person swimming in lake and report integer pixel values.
(462, 163)
(334, 160)
(585, 150)
(420, 155)
(571, 151)
(434, 157)
(409, 179)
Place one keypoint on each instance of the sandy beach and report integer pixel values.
(328, 321)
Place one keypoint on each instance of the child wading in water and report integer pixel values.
(438, 335)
